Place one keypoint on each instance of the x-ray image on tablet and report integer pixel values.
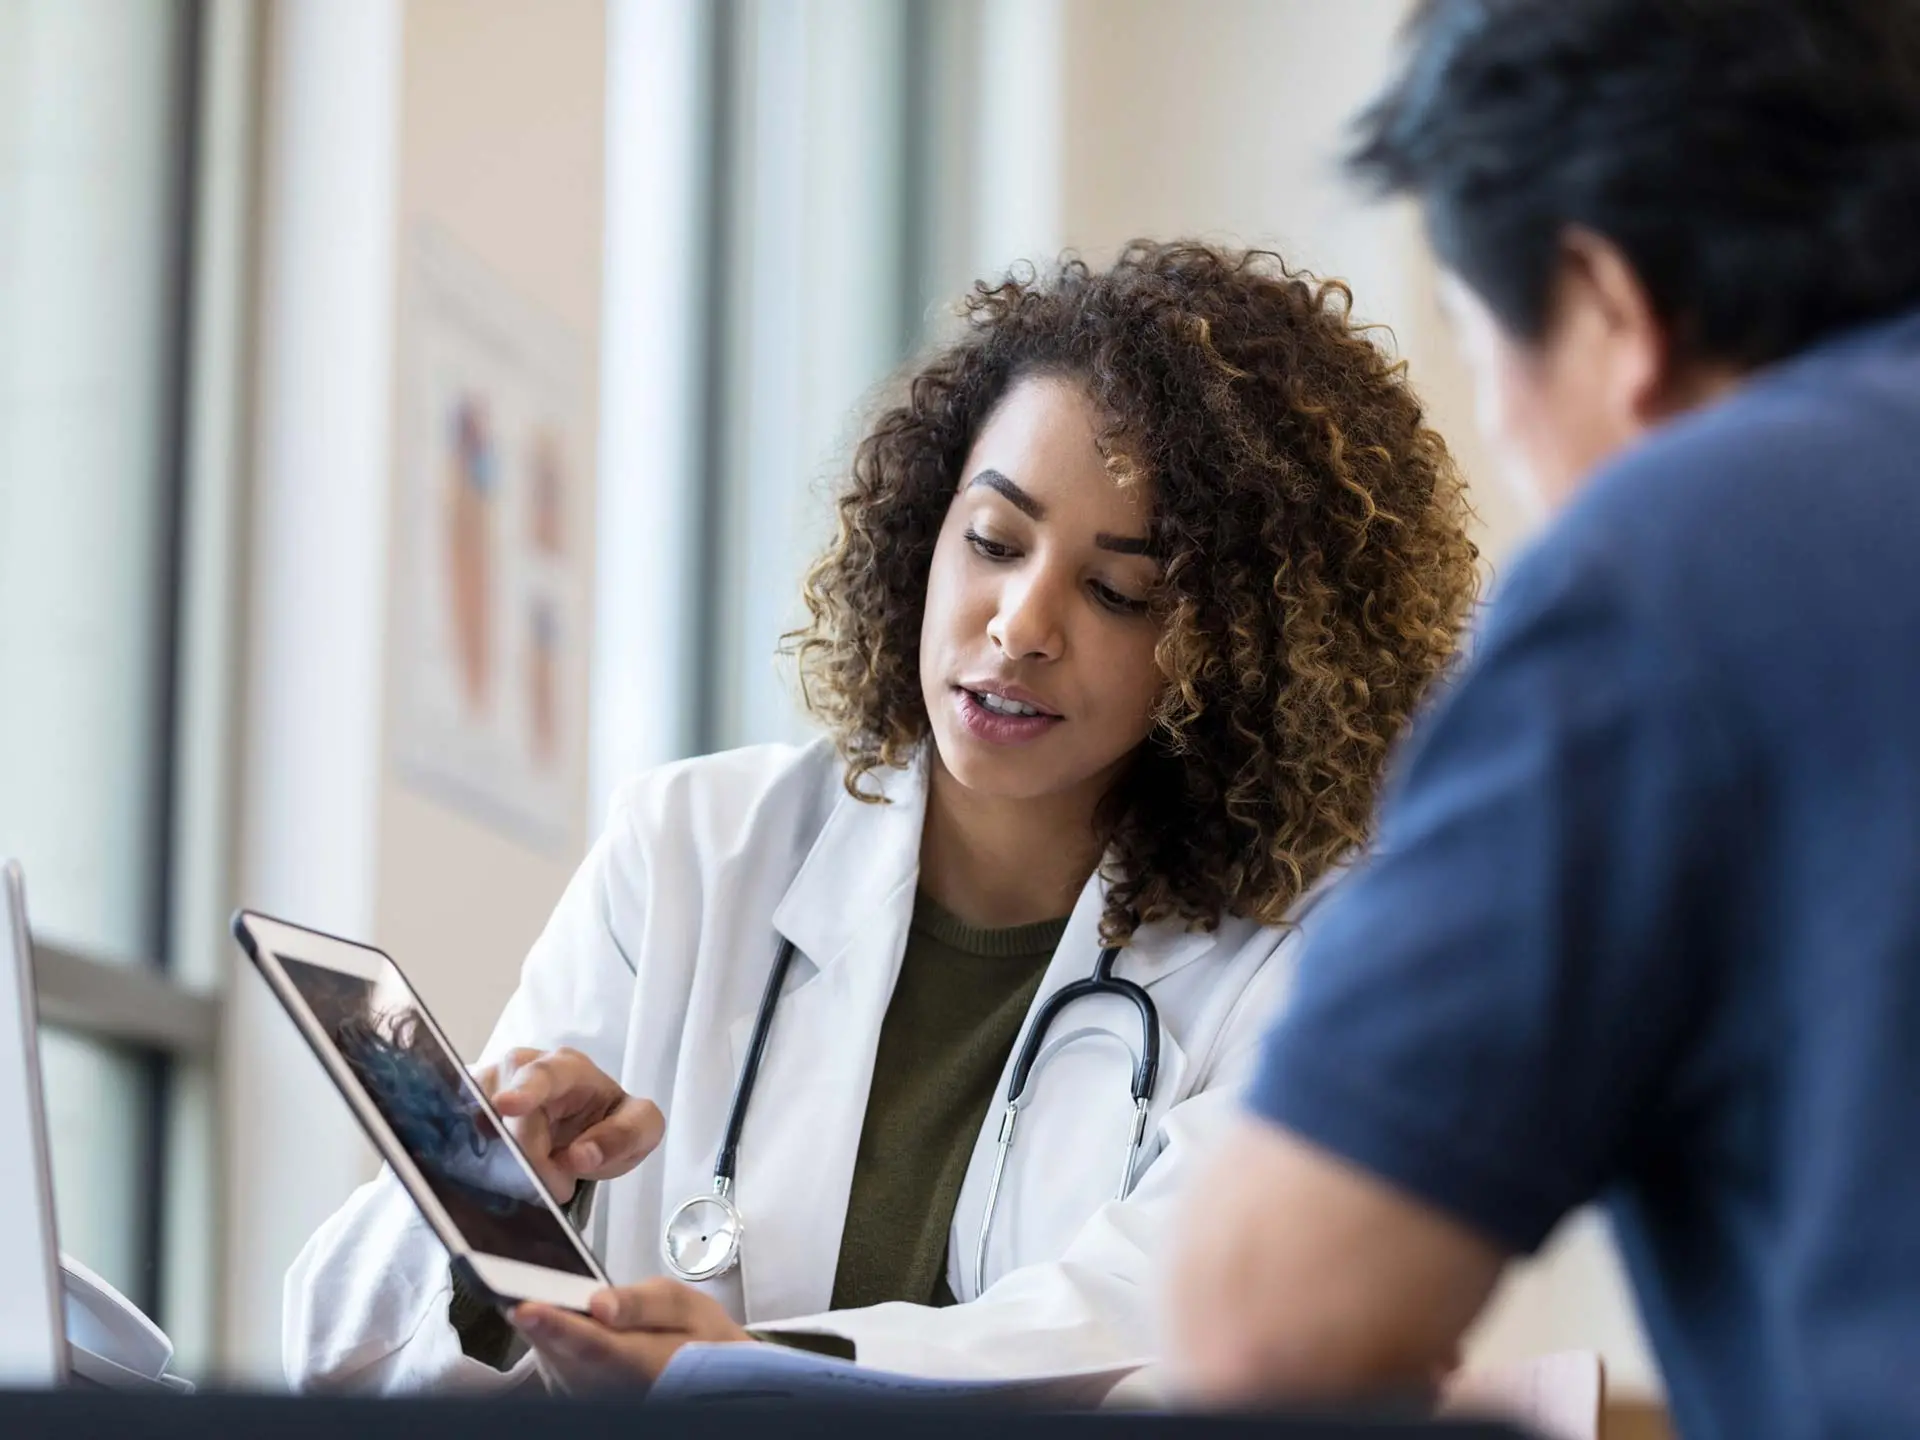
(437, 1114)
(425, 1113)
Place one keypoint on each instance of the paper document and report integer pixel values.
(704, 1374)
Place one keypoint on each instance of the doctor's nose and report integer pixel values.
(1027, 623)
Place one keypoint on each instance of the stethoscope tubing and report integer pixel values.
(1146, 1071)
(1103, 981)
(723, 1165)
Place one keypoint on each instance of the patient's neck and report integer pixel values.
(996, 862)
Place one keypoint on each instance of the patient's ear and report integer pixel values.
(1603, 308)
(1645, 373)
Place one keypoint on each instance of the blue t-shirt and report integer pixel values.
(1644, 920)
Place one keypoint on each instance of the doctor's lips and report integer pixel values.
(1003, 714)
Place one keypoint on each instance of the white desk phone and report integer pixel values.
(109, 1341)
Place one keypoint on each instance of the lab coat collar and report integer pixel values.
(1158, 950)
(864, 865)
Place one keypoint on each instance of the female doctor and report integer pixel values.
(1131, 592)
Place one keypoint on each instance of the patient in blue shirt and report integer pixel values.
(1644, 921)
(1649, 904)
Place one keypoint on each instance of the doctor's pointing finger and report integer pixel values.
(573, 1120)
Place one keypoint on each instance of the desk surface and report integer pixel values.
(30, 1415)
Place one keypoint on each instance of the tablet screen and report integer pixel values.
(433, 1105)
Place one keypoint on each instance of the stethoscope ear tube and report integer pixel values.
(1009, 1119)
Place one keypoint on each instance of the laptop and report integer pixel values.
(33, 1348)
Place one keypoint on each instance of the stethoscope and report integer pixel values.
(701, 1239)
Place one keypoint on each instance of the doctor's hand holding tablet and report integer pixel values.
(903, 1045)
(576, 1124)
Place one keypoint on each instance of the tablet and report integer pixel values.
(425, 1114)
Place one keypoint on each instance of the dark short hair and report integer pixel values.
(1756, 161)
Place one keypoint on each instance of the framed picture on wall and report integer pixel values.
(493, 572)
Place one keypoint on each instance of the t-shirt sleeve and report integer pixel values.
(1488, 1010)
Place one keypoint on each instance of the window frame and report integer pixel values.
(166, 1007)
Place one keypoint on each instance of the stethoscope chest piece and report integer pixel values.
(701, 1240)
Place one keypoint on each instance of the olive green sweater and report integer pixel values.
(957, 1008)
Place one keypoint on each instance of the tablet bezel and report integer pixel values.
(265, 938)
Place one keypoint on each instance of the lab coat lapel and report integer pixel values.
(847, 913)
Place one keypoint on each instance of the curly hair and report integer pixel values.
(1317, 570)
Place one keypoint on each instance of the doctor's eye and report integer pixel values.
(1120, 604)
(989, 549)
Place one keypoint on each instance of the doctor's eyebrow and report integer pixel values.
(1027, 505)
(1019, 498)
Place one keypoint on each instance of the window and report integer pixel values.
(796, 195)
(775, 156)
(104, 131)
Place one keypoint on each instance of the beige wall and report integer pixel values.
(484, 120)
(502, 122)
(1225, 119)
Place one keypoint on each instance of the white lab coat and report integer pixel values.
(653, 965)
